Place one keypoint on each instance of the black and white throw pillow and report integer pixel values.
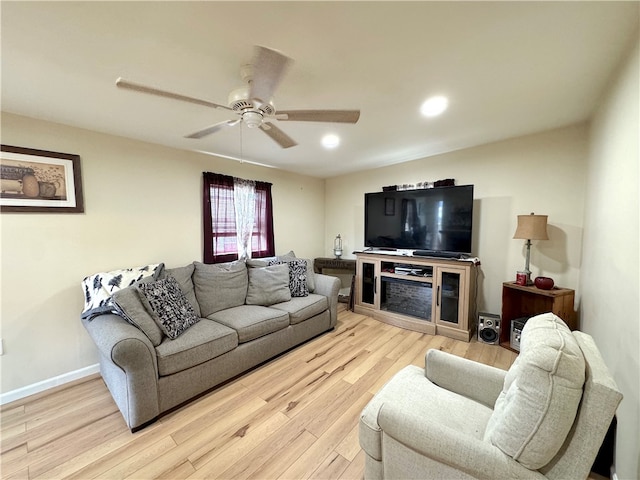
(168, 306)
(297, 276)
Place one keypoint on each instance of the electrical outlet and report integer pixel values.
(1, 346)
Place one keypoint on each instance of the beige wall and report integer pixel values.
(541, 173)
(142, 205)
(609, 275)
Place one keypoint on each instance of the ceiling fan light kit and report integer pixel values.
(254, 102)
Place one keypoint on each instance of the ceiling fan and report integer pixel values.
(253, 102)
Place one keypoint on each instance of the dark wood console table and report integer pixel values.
(338, 267)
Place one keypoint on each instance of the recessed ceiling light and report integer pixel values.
(330, 141)
(434, 106)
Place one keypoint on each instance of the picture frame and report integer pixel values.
(39, 181)
(389, 206)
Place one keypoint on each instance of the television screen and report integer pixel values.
(434, 219)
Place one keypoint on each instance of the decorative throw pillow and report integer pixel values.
(220, 286)
(268, 285)
(168, 306)
(129, 306)
(297, 276)
(99, 287)
(184, 277)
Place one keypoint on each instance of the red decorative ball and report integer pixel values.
(543, 283)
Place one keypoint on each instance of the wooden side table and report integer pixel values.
(519, 301)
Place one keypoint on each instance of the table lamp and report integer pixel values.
(530, 227)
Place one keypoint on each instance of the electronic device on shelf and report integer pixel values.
(434, 222)
(516, 332)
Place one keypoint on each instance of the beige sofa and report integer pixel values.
(544, 418)
(245, 316)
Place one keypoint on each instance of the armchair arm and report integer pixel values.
(329, 287)
(129, 367)
(474, 380)
(447, 447)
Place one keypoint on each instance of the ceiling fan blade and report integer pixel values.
(121, 83)
(214, 128)
(333, 116)
(269, 67)
(281, 138)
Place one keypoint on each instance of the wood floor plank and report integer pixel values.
(74, 443)
(272, 453)
(143, 457)
(355, 470)
(104, 455)
(294, 417)
(314, 456)
(332, 467)
(215, 461)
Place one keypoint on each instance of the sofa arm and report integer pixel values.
(438, 444)
(329, 287)
(474, 380)
(129, 367)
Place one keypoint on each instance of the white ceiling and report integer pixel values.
(508, 68)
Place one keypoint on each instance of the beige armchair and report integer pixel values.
(457, 419)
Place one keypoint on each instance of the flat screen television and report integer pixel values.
(433, 220)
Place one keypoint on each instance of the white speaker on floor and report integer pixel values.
(489, 328)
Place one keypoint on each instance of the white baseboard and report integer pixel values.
(38, 387)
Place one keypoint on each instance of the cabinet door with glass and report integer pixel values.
(451, 307)
(368, 278)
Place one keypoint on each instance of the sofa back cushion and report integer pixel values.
(542, 391)
(220, 286)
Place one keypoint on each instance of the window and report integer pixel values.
(224, 223)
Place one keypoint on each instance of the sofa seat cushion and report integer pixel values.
(409, 389)
(303, 308)
(542, 391)
(252, 321)
(202, 342)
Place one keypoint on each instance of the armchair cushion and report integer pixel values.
(410, 392)
(537, 406)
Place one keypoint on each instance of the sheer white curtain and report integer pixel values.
(244, 197)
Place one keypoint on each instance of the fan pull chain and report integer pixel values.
(241, 154)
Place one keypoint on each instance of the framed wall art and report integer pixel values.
(39, 181)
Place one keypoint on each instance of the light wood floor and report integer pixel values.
(295, 417)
